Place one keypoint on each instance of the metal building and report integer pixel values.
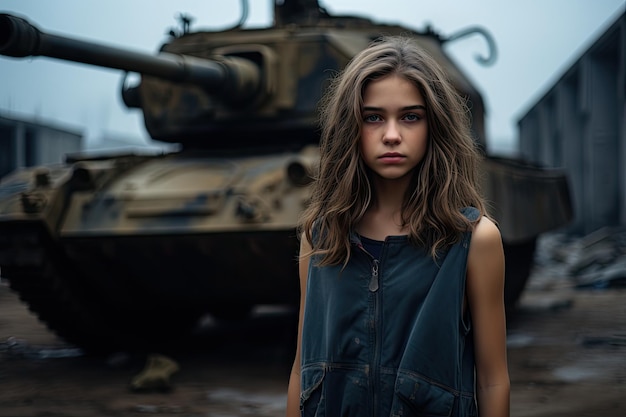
(579, 125)
(25, 143)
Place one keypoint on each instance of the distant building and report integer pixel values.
(25, 143)
(579, 125)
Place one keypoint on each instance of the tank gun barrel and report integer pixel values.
(230, 78)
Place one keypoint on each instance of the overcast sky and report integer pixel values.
(536, 39)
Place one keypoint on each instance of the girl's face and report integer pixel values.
(394, 135)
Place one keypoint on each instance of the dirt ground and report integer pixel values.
(567, 356)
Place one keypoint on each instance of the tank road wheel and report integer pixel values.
(519, 258)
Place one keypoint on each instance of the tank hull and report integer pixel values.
(140, 246)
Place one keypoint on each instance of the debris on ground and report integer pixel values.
(156, 376)
(594, 261)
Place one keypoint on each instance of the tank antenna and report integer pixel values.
(245, 9)
(486, 61)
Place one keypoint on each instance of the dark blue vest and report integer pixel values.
(388, 337)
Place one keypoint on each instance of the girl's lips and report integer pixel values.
(392, 158)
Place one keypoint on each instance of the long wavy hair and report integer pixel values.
(444, 182)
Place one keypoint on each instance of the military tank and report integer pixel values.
(123, 251)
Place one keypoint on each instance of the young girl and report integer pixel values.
(401, 271)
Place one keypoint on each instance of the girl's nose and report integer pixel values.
(391, 135)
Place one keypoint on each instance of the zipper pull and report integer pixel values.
(373, 287)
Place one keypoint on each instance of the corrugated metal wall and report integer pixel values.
(579, 125)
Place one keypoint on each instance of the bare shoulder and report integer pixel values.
(486, 234)
(485, 262)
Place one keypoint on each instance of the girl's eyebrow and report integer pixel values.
(415, 107)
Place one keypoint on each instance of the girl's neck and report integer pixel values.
(384, 216)
(389, 195)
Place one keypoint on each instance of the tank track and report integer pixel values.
(38, 271)
(28, 262)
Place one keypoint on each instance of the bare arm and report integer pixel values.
(293, 393)
(485, 292)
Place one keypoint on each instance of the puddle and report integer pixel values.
(249, 403)
(575, 373)
(22, 349)
(519, 340)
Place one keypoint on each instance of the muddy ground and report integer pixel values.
(567, 356)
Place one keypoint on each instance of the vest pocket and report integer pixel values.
(416, 397)
(311, 398)
(334, 390)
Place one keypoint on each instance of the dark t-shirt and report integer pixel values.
(372, 246)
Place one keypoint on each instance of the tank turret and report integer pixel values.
(184, 86)
(261, 84)
(113, 251)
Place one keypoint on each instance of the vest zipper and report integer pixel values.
(373, 287)
(374, 278)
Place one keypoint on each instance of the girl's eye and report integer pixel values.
(412, 117)
(370, 118)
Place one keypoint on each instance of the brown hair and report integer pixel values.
(444, 182)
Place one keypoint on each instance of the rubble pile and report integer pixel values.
(594, 261)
